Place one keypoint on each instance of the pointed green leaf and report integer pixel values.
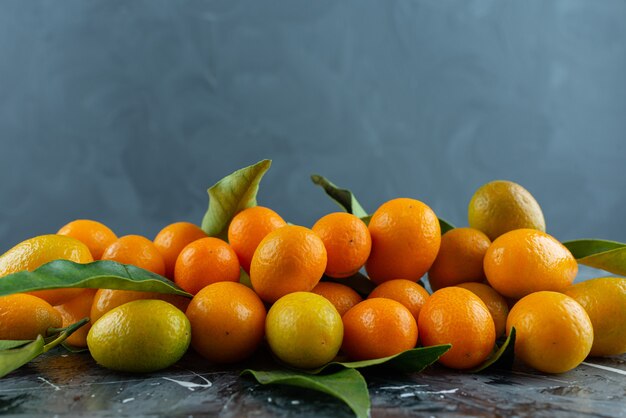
(502, 358)
(348, 202)
(8, 344)
(409, 361)
(358, 282)
(343, 197)
(103, 274)
(15, 358)
(601, 254)
(445, 226)
(230, 195)
(581, 248)
(417, 359)
(347, 385)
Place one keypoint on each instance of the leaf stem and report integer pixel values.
(64, 334)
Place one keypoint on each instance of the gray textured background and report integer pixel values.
(126, 111)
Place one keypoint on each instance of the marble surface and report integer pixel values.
(63, 384)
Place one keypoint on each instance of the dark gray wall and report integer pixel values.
(126, 111)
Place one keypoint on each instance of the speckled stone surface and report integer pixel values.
(63, 384)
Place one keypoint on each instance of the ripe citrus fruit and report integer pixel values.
(248, 228)
(460, 258)
(341, 296)
(553, 332)
(95, 235)
(377, 328)
(171, 240)
(604, 300)
(34, 252)
(107, 299)
(23, 317)
(140, 336)
(73, 311)
(205, 261)
(456, 316)
(405, 240)
(524, 261)
(289, 259)
(410, 294)
(502, 206)
(347, 241)
(304, 330)
(136, 250)
(497, 305)
(227, 322)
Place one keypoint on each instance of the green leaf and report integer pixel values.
(416, 359)
(600, 254)
(351, 388)
(348, 202)
(360, 283)
(230, 195)
(502, 358)
(445, 226)
(581, 248)
(343, 197)
(103, 274)
(8, 344)
(62, 336)
(244, 279)
(15, 358)
(347, 385)
(410, 361)
(74, 349)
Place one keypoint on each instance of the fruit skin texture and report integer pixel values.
(405, 240)
(204, 262)
(248, 228)
(107, 299)
(171, 240)
(34, 252)
(136, 250)
(227, 322)
(501, 206)
(497, 305)
(456, 316)
(410, 294)
(95, 235)
(604, 300)
(73, 311)
(347, 241)
(377, 328)
(553, 332)
(460, 258)
(289, 259)
(341, 296)
(23, 317)
(524, 261)
(141, 336)
(304, 330)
